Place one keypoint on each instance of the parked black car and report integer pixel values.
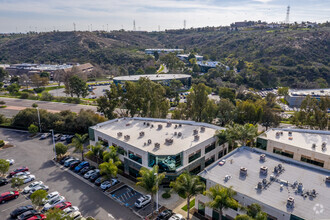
(64, 159)
(3, 181)
(20, 210)
(94, 176)
(27, 214)
(74, 164)
(69, 164)
(86, 169)
(164, 215)
(57, 137)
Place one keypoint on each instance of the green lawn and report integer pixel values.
(161, 68)
(192, 204)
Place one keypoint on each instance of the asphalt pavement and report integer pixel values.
(37, 155)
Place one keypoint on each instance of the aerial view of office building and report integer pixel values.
(295, 97)
(163, 51)
(173, 145)
(309, 146)
(284, 188)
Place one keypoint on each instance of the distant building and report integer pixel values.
(164, 79)
(163, 50)
(243, 24)
(206, 65)
(29, 68)
(295, 97)
(284, 188)
(174, 145)
(184, 57)
(309, 146)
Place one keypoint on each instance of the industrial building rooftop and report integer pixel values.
(313, 140)
(282, 183)
(159, 136)
(311, 92)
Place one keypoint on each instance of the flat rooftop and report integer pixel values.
(300, 138)
(311, 92)
(181, 142)
(307, 207)
(152, 77)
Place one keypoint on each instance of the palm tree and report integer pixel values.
(221, 198)
(188, 185)
(150, 181)
(96, 151)
(78, 142)
(110, 169)
(112, 154)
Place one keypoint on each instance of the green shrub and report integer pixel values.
(3, 106)
(166, 195)
(33, 129)
(2, 143)
(39, 90)
(24, 95)
(33, 97)
(45, 96)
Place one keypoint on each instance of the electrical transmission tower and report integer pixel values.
(134, 27)
(184, 24)
(74, 26)
(287, 19)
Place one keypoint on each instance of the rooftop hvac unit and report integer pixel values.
(264, 181)
(157, 145)
(277, 134)
(180, 125)
(327, 179)
(300, 187)
(169, 124)
(175, 126)
(202, 129)
(263, 170)
(259, 186)
(152, 126)
(272, 177)
(290, 133)
(324, 148)
(141, 133)
(179, 134)
(324, 144)
(243, 171)
(262, 157)
(313, 146)
(290, 201)
(149, 141)
(169, 141)
(195, 131)
(128, 124)
(160, 127)
(196, 137)
(148, 123)
(281, 132)
(119, 134)
(144, 123)
(175, 133)
(127, 137)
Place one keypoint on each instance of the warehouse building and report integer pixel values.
(173, 145)
(284, 188)
(296, 97)
(163, 51)
(309, 146)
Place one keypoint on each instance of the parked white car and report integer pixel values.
(32, 186)
(176, 217)
(42, 186)
(28, 178)
(53, 203)
(75, 215)
(71, 209)
(90, 173)
(142, 201)
(25, 173)
(107, 184)
(51, 196)
(45, 135)
(63, 138)
(11, 161)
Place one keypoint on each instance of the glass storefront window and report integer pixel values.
(135, 157)
(165, 163)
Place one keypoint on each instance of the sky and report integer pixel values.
(150, 15)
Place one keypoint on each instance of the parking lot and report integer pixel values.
(36, 155)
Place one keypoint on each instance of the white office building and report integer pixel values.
(174, 145)
(284, 188)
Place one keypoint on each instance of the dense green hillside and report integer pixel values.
(298, 58)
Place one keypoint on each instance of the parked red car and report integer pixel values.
(21, 169)
(8, 196)
(39, 216)
(63, 205)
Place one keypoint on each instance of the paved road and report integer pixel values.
(15, 105)
(37, 154)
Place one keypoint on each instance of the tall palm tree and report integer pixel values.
(188, 185)
(96, 151)
(112, 154)
(221, 198)
(110, 169)
(150, 181)
(78, 142)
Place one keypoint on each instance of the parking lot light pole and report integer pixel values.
(53, 142)
(157, 193)
(39, 118)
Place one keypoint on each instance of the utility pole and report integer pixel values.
(74, 27)
(134, 27)
(287, 19)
